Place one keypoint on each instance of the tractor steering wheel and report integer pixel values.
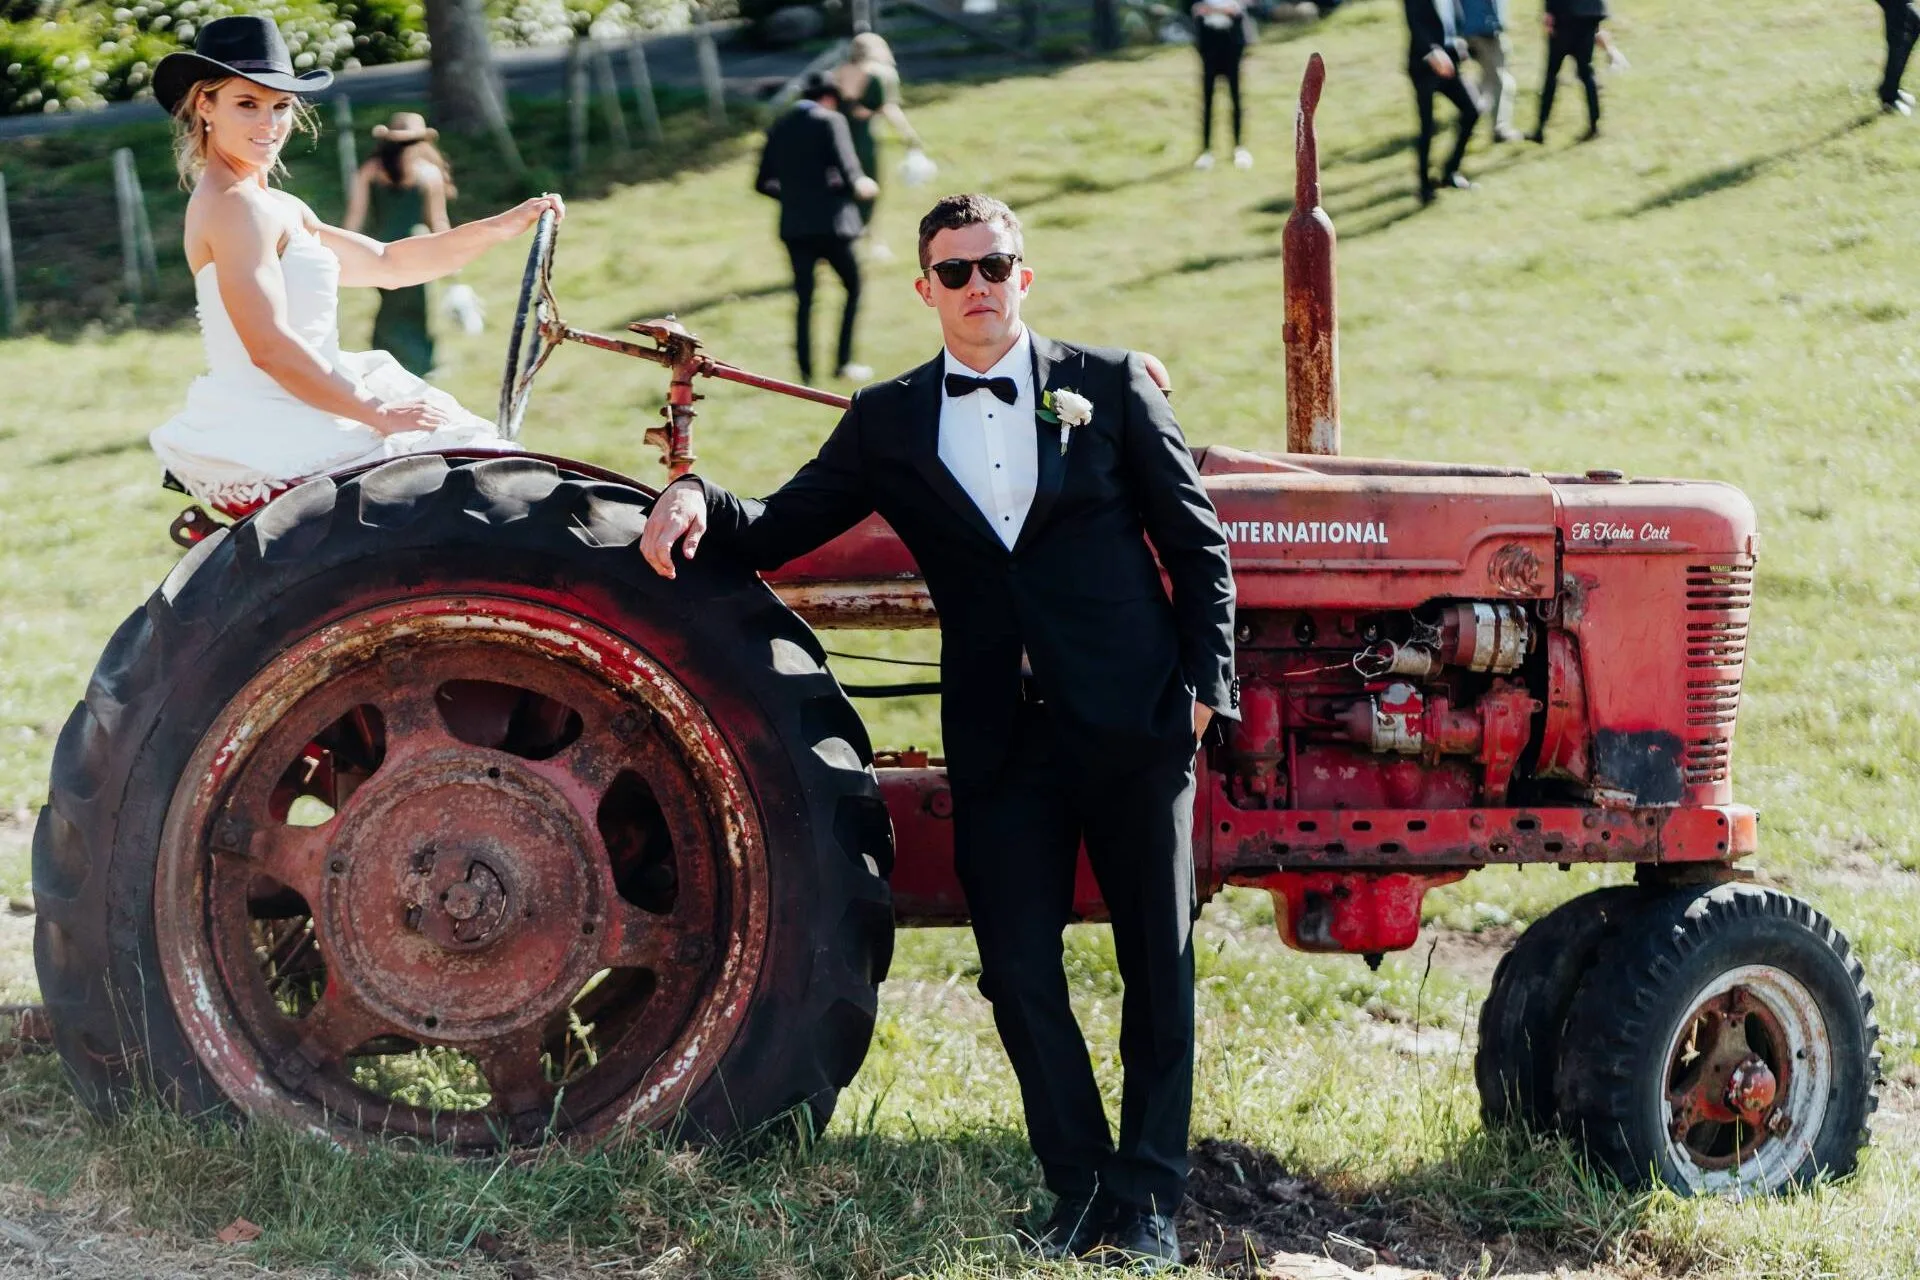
(531, 341)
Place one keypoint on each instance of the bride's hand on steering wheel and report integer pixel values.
(527, 212)
(413, 415)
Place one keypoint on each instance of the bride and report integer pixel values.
(281, 401)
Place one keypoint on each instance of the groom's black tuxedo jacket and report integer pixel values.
(1117, 663)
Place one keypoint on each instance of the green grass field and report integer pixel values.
(1720, 287)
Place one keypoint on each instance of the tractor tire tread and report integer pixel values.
(1628, 995)
(590, 525)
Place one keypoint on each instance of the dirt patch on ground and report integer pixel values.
(1469, 955)
(1246, 1215)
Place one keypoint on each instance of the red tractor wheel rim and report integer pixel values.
(1748, 1073)
(462, 869)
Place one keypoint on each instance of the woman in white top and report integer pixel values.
(281, 401)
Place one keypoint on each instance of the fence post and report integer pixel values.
(9, 299)
(349, 156)
(1106, 26)
(142, 226)
(643, 90)
(130, 274)
(709, 56)
(609, 90)
(577, 95)
(1030, 25)
(862, 16)
(495, 107)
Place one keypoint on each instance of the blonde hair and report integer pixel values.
(190, 134)
(869, 47)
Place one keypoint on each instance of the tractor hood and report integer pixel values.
(1308, 531)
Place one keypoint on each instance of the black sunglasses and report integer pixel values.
(955, 272)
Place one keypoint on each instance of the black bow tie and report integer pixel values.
(1004, 390)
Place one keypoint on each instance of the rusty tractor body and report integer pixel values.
(414, 803)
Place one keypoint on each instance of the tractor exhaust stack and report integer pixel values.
(1311, 333)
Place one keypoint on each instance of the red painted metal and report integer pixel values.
(1311, 333)
(1356, 911)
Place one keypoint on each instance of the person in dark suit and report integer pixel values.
(1573, 27)
(1434, 53)
(1902, 21)
(1222, 30)
(1027, 477)
(809, 166)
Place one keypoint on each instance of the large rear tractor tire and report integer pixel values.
(1722, 1043)
(1527, 1007)
(417, 805)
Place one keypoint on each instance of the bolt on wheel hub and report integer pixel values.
(461, 897)
(1747, 1078)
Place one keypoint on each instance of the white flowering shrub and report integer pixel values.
(68, 55)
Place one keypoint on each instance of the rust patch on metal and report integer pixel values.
(891, 604)
(1307, 254)
(464, 892)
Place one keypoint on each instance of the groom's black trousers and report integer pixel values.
(1016, 844)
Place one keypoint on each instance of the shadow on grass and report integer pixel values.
(1080, 184)
(1529, 1202)
(714, 301)
(778, 1205)
(1729, 176)
(113, 449)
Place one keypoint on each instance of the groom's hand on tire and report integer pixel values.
(679, 512)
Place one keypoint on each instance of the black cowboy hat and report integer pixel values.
(244, 45)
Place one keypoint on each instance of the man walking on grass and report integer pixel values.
(1902, 21)
(1434, 51)
(1027, 477)
(809, 166)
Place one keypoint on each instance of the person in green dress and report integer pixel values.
(870, 86)
(402, 190)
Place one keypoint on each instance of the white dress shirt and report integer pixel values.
(991, 447)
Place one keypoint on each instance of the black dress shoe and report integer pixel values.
(1141, 1241)
(1072, 1230)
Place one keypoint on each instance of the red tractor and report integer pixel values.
(415, 803)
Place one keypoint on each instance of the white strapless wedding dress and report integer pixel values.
(244, 437)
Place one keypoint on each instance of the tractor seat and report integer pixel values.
(194, 525)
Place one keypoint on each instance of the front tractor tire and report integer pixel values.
(417, 805)
(1722, 1042)
(1526, 1008)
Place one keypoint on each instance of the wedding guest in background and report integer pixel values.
(1573, 29)
(869, 86)
(1484, 24)
(1222, 30)
(809, 166)
(1434, 52)
(404, 187)
(1902, 19)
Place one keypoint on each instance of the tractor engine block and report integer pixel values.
(1433, 708)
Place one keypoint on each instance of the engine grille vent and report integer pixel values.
(1718, 598)
(1712, 588)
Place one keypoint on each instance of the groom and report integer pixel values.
(1022, 473)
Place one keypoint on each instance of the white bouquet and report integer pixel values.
(917, 170)
(462, 305)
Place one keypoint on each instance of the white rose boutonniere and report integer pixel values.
(1066, 409)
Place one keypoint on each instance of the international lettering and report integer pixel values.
(1307, 533)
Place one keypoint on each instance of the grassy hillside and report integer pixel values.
(1718, 287)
